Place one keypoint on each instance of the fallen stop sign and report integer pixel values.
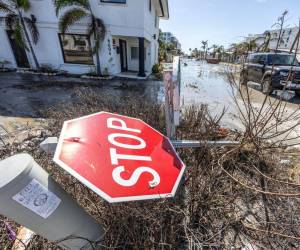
(118, 157)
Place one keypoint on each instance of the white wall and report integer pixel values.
(133, 64)
(5, 49)
(132, 19)
(288, 38)
(48, 49)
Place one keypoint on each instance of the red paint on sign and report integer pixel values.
(119, 158)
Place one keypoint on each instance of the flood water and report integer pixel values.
(24, 96)
(208, 84)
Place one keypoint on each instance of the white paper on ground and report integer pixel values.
(38, 199)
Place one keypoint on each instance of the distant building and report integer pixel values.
(166, 37)
(289, 36)
(177, 44)
(169, 38)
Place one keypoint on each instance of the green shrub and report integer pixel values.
(47, 68)
(106, 72)
(156, 69)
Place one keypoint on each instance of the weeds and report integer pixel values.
(214, 207)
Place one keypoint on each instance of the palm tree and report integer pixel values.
(240, 50)
(295, 44)
(252, 45)
(162, 51)
(220, 51)
(204, 47)
(82, 9)
(214, 47)
(195, 53)
(267, 39)
(18, 24)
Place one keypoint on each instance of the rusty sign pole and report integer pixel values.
(168, 83)
(172, 96)
(176, 79)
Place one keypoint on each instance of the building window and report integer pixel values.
(113, 1)
(76, 48)
(156, 20)
(135, 53)
(150, 5)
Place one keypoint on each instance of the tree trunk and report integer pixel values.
(295, 41)
(98, 65)
(28, 41)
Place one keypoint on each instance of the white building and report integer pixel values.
(166, 37)
(169, 38)
(285, 44)
(130, 44)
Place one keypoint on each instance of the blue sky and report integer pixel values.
(225, 21)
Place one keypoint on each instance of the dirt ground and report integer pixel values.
(23, 97)
(221, 209)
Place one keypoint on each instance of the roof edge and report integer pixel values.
(164, 6)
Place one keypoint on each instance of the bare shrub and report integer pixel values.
(213, 208)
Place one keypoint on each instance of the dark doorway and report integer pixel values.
(123, 54)
(19, 52)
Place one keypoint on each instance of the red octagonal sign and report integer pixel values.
(118, 157)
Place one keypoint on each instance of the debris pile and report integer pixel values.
(230, 197)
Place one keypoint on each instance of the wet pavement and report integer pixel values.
(204, 83)
(23, 97)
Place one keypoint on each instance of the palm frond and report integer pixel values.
(10, 21)
(100, 28)
(31, 24)
(60, 4)
(19, 35)
(2, 19)
(23, 4)
(5, 8)
(97, 29)
(70, 17)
